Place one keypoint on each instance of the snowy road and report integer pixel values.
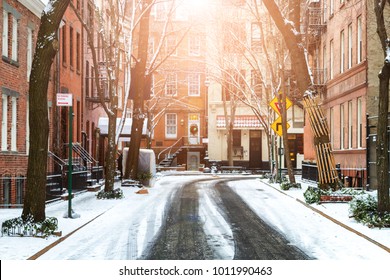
(183, 236)
(129, 228)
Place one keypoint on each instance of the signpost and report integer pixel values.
(65, 100)
(277, 124)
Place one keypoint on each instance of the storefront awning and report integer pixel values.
(126, 131)
(240, 122)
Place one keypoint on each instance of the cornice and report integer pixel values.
(35, 6)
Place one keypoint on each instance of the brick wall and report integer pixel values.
(14, 92)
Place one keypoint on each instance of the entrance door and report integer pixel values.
(193, 129)
(193, 159)
(255, 149)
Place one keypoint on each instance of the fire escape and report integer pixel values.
(314, 26)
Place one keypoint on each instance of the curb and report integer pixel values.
(55, 243)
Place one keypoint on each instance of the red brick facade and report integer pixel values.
(18, 29)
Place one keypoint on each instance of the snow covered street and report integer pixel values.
(134, 221)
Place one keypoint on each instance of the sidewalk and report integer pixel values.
(338, 213)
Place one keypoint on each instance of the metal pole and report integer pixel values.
(280, 159)
(70, 164)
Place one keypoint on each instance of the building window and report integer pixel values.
(350, 46)
(194, 45)
(6, 195)
(331, 125)
(170, 45)
(87, 78)
(30, 35)
(5, 34)
(9, 131)
(193, 84)
(20, 182)
(71, 46)
(171, 84)
(171, 125)
(342, 52)
(359, 40)
(4, 123)
(342, 127)
(360, 123)
(78, 51)
(350, 127)
(331, 62)
(324, 63)
(10, 33)
(331, 8)
(13, 123)
(14, 45)
(64, 58)
(255, 37)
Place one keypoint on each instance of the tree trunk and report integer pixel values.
(110, 167)
(131, 169)
(382, 155)
(46, 49)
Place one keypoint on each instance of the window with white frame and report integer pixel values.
(30, 34)
(331, 62)
(342, 127)
(342, 52)
(13, 123)
(171, 84)
(360, 122)
(331, 7)
(331, 125)
(5, 34)
(170, 45)
(9, 127)
(194, 45)
(193, 84)
(359, 40)
(14, 46)
(350, 126)
(171, 125)
(350, 43)
(4, 123)
(10, 32)
(324, 63)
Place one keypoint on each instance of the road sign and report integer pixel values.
(277, 126)
(64, 99)
(276, 104)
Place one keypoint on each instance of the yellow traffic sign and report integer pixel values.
(276, 104)
(277, 126)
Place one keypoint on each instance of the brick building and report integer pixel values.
(178, 102)
(19, 26)
(346, 57)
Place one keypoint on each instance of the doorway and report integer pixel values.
(255, 157)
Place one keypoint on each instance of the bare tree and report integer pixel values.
(146, 64)
(110, 24)
(382, 155)
(45, 51)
